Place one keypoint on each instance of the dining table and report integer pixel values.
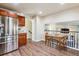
(61, 40)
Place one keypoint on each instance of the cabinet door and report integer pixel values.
(12, 14)
(21, 20)
(3, 12)
(22, 40)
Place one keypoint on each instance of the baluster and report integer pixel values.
(78, 40)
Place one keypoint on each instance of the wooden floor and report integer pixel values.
(39, 49)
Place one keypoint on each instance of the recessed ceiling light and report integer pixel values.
(61, 3)
(40, 12)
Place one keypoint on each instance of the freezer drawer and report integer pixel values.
(2, 49)
(10, 47)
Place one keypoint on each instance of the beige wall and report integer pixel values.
(71, 28)
(28, 26)
(28, 23)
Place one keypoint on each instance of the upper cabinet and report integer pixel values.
(12, 14)
(3, 12)
(21, 20)
(7, 13)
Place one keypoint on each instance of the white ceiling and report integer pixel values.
(34, 8)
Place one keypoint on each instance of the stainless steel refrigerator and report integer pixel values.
(8, 34)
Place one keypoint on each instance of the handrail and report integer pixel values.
(59, 31)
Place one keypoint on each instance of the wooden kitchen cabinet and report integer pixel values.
(12, 14)
(7, 13)
(3, 12)
(21, 20)
(22, 39)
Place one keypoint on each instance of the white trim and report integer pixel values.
(36, 40)
(73, 48)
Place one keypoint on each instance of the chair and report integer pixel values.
(48, 39)
(59, 41)
(62, 42)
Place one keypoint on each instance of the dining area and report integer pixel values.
(63, 36)
(56, 41)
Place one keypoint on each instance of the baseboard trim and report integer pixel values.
(36, 40)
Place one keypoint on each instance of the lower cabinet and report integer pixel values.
(22, 39)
